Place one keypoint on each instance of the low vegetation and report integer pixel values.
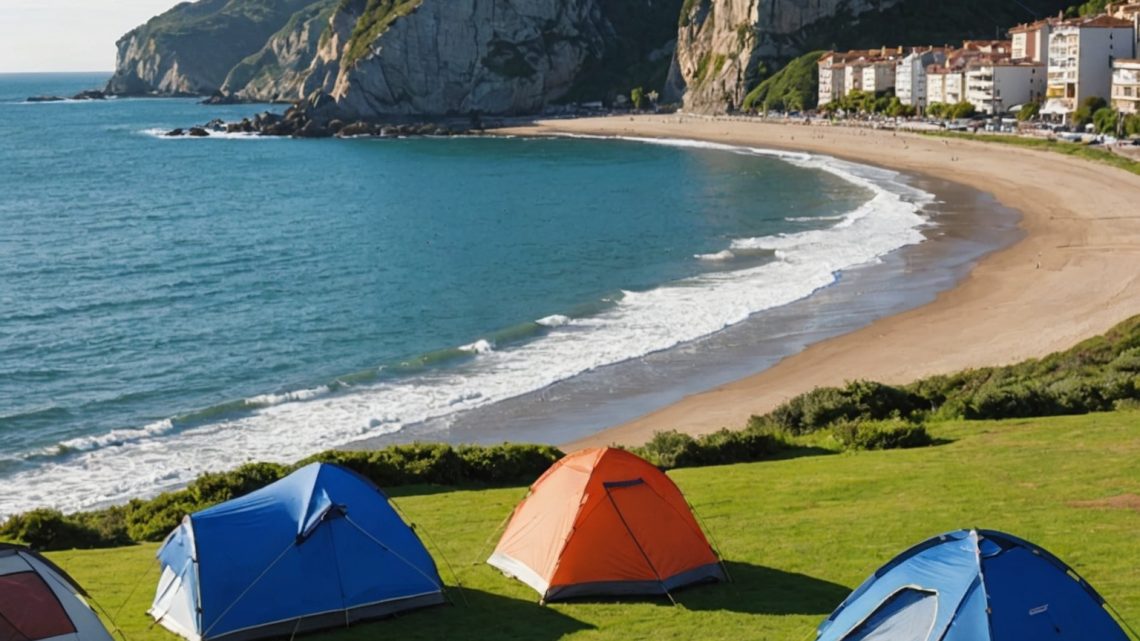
(793, 88)
(375, 19)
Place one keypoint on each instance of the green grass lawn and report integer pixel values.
(797, 534)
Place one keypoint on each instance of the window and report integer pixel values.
(29, 610)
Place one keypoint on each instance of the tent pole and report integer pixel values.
(633, 536)
(715, 543)
(1122, 620)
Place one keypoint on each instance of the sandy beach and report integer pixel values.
(1074, 275)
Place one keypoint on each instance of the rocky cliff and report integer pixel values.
(403, 57)
(277, 73)
(192, 48)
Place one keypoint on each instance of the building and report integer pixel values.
(1031, 41)
(831, 77)
(842, 72)
(1081, 55)
(1126, 86)
(996, 85)
(879, 75)
(910, 75)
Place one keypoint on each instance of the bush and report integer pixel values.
(673, 449)
(880, 435)
(824, 406)
(51, 530)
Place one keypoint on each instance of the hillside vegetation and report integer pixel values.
(793, 88)
(796, 534)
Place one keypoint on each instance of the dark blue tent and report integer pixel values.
(319, 548)
(973, 585)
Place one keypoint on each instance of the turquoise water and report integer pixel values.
(171, 306)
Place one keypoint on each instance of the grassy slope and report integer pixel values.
(798, 535)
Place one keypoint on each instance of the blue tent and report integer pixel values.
(319, 548)
(973, 585)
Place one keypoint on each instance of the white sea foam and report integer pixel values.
(718, 257)
(214, 135)
(557, 320)
(481, 346)
(290, 426)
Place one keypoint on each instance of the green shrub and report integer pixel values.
(823, 406)
(880, 435)
(50, 530)
(673, 449)
(507, 464)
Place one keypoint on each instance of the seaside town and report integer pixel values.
(1079, 74)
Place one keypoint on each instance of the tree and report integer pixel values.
(964, 109)
(1028, 111)
(637, 97)
(1084, 114)
(1105, 120)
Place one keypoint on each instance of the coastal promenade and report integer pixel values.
(1075, 274)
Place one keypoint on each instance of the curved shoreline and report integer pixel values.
(1072, 276)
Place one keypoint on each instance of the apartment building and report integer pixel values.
(1081, 56)
(997, 84)
(1126, 86)
(910, 75)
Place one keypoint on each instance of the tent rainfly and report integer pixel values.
(973, 585)
(40, 602)
(604, 522)
(320, 548)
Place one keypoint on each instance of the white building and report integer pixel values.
(853, 76)
(910, 75)
(1081, 53)
(879, 75)
(1126, 86)
(831, 80)
(996, 86)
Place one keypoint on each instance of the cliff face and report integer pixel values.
(459, 56)
(724, 46)
(403, 57)
(192, 48)
(277, 73)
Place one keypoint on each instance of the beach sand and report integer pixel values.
(1075, 274)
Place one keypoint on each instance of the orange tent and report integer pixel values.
(602, 521)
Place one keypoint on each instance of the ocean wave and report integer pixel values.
(718, 257)
(555, 320)
(631, 324)
(479, 347)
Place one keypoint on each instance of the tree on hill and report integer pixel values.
(793, 88)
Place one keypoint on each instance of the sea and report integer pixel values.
(170, 306)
